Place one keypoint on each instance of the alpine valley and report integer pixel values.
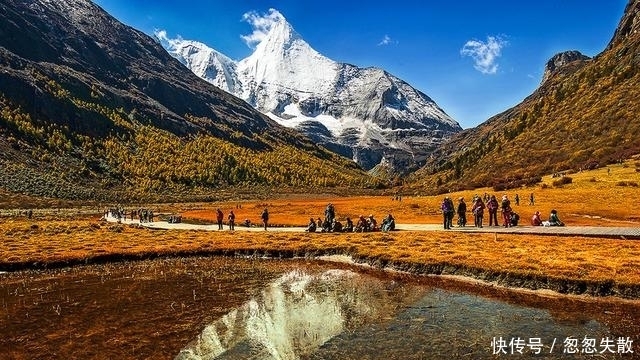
(584, 115)
(92, 109)
(365, 114)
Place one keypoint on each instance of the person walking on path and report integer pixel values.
(265, 218)
(219, 218)
(492, 206)
(531, 199)
(505, 206)
(517, 200)
(232, 220)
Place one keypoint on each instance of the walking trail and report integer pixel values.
(590, 231)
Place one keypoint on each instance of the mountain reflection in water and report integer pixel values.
(298, 313)
(341, 314)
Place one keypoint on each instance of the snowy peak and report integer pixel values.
(204, 61)
(280, 36)
(365, 114)
(282, 60)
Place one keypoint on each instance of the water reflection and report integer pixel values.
(445, 324)
(299, 312)
(340, 314)
(312, 310)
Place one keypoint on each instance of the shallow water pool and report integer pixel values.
(229, 308)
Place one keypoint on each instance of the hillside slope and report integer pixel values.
(93, 109)
(585, 114)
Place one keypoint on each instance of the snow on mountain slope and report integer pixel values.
(204, 61)
(284, 64)
(366, 114)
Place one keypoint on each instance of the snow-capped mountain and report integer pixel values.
(366, 114)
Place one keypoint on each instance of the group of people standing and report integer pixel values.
(508, 216)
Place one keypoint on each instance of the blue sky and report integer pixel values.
(474, 58)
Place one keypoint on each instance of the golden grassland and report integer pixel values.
(594, 198)
(572, 258)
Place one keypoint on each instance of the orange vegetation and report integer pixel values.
(594, 198)
(574, 258)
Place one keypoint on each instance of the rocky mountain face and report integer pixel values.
(85, 95)
(79, 45)
(365, 114)
(583, 115)
(629, 24)
(560, 60)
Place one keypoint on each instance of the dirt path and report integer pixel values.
(590, 231)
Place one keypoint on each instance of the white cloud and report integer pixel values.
(386, 40)
(485, 54)
(164, 39)
(261, 25)
(161, 34)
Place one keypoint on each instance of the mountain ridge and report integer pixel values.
(366, 114)
(580, 117)
(94, 109)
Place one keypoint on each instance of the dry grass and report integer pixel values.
(583, 202)
(599, 202)
(557, 257)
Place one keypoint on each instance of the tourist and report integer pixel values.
(361, 225)
(265, 218)
(232, 220)
(447, 211)
(329, 213)
(336, 226)
(514, 218)
(536, 220)
(462, 213)
(492, 206)
(478, 211)
(388, 224)
(348, 227)
(554, 220)
(219, 218)
(372, 224)
(505, 207)
(312, 226)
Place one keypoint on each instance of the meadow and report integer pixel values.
(565, 264)
(608, 196)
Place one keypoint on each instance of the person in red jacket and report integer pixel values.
(536, 220)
